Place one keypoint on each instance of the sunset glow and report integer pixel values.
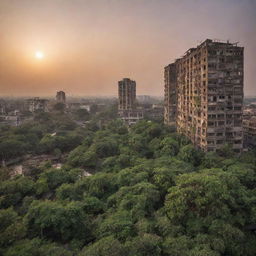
(39, 55)
(85, 46)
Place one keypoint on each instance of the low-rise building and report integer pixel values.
(37, 104)
(249, 126)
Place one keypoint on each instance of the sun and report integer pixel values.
(39, 55)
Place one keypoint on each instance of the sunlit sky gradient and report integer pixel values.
(89, 45)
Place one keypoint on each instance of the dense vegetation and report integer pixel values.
(56, 132)
(150, 193)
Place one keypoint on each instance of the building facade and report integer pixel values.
(126, 94)
(127, 107)
(61, 97)
(209, 95)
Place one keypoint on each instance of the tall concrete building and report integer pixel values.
(126, 94)
(61, 97)
(127, 107)
(208, 98)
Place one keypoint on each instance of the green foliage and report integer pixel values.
(189, 154)
(211, 202)
(124, 192)
(107, 246)
(54, 177)
(37, 247)
(59, 107)
(37, 136)
(11, 227)
(49, 143)
(82, 115)
(10, 148)
(56, 221)
(147, 244)
(119, 224)
(13, 191)
(169, 147)
(5, 173)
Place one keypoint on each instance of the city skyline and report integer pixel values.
(85, 47)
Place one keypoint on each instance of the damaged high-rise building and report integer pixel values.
(204, 95)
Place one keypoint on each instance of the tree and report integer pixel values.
(5, 173)
(169, 146)
(10, 148)
(140, 199)
(211, 160)
(54, 177)
(226, 151)
(13, 191)
(82, 115)
(177, 246)
(11, 227)
(105, 148)
(147, 244)
(118, 225)
(208, 201)
(107, 246)
(189, 154)
(53, 220)
(37, 247)
(59, 107)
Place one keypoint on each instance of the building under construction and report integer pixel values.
(204, 95)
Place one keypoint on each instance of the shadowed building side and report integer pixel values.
(170, 94)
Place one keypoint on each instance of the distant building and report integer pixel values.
(61, 97)
(37, 104)
(12, 120)
(132, 117)
(127, 102)
(153, 111)
(126, 94)
(204, 94)
(2, 109)
(144, 98)
(249, 126)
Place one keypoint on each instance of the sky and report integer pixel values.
(89, 45)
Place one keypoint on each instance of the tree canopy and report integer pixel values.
(137, 191)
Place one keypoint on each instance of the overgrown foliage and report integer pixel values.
(149, 193)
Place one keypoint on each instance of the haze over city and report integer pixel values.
(85, 47)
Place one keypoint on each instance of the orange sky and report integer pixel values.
(91, 44)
